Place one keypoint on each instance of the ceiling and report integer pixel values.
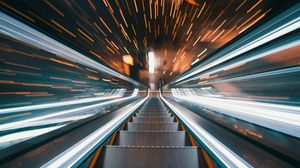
(179, 32)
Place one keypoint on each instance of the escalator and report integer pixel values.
(152, 137)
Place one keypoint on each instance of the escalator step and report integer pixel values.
(153, 111)
(153, 114)
(152, 126)
(155, 119)
(149, 157)
(142, 112)
(152, 138)
(157, 116)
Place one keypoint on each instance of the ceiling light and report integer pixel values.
(151, 62)
(128, 59)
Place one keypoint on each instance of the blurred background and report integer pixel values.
(65, 61)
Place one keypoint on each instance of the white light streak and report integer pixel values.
(22, 32)
(25, 122)
(151, 62)
(194, 62)
(282, 118)
(224, 154)
(71, 156)
(119, 93)
(135, 92)
(268, 36)
(8, 140)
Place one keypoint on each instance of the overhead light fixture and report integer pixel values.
(128, 59)
(151, 62)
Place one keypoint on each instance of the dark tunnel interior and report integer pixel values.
(149, 83)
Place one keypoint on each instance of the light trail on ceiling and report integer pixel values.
(106, 30)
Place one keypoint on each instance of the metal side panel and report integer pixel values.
(153, 119)
(152, 138)
(152, 126)
(149, 157)
(69, 139)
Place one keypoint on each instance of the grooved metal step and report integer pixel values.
(152, 119)
(149, 157)
(152, 126)
(153, 114)
(159, 112)
(142, 112)
(152, 138)
(158, 116)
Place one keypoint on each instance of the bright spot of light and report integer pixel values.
(151, 62)
(128, 59)
(194, 62)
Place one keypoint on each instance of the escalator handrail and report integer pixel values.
(75, 153)
(227, 157)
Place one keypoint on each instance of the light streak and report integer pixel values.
(12, 125)
(72, 155)
(23, 135)
(263, 35)
(151, 62)
(194, 62)
(58, 104)
(224, 154)
(282, 118)
(22, 32)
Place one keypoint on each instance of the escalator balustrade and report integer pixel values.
(152, 137)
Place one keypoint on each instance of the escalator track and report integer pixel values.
(152, 137)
